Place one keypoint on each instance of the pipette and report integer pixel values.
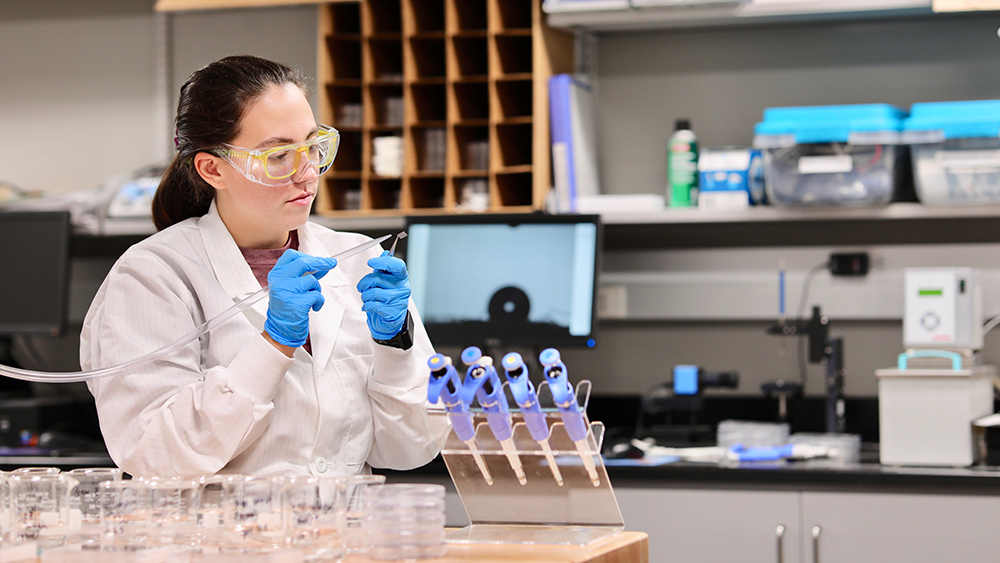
(444, 383)
(569, 410)
(179, 344)
(526, 398)
(483, 383)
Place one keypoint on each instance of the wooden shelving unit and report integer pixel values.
(462, 83)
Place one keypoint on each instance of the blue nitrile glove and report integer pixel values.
(293, 289)
(385, 294)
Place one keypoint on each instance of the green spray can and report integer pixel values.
(682, 166)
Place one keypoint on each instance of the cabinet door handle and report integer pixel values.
(816, 533)
(779, 534)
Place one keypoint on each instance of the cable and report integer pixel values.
(806, 284)
(991, 324)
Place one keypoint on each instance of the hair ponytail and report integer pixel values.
(209, 109)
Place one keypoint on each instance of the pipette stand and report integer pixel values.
(540, 511)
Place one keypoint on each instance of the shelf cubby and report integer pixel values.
(385, 56)
(512, 190)
(428, 59)
(349, 154)
(384, 106)
(427, 147)
(346, 106)
(471, 147)
(341, 194)
(427, 16)
(427, 102)
(513, 55)
(514, 144)
(345, 19)
(470, 101)
(466, 15)
(382, 193)
(381, 16)
(468, 56)
(514, 99)
(511, 15)
(428, 193)
(345, 58)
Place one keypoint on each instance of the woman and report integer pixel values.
(327, 376)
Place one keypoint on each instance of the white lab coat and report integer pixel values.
(232, 403)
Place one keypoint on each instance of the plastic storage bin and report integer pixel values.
(956, 151)
(832, 155)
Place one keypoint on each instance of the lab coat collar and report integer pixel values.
(236, 278)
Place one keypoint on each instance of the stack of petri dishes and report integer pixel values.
(406, 522)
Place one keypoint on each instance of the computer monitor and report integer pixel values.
(525, 280)
(34, 259)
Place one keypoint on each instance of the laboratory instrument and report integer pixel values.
(955, 148)
(670, 411)
(445, 385)
(822, 348)
(941, 382)
(483, 384)
(507, 294)
(407, 522)
(165, 351)
(527, 399)
(943, 309)
(849, 155)
(565, 398)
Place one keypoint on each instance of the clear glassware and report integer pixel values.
(212, 502)
(174, 507)
(406, 521)
(37, 470)
(356, 499)
(40, 507)
(126, 512)
(252, 513)
(312, 516)
(85, 503)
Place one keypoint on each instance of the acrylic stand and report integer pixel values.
(540, 511)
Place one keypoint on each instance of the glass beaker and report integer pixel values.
(174, 511)
(126, 510)
(252, 513)
(40, 507)
(312, 516)
(85, 503)
(356, 500)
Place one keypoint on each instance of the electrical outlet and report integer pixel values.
(855, 264)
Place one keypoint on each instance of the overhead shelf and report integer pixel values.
(660, 15)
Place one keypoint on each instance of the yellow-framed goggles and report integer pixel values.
(277, 166)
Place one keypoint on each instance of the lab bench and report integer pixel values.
(798, 512)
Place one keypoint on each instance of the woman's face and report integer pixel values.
(281, 115)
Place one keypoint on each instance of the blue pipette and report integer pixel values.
(569, 410)
(483, 384)
(527, 399)
(444, 383)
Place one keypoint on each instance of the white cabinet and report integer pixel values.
(916, 528)
(714, 525)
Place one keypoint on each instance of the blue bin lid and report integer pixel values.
(829, 124)
(956, 120)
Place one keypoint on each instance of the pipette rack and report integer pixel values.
(540, 511)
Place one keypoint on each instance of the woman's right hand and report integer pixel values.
(293, 288)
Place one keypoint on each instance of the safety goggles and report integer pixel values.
(277, 165)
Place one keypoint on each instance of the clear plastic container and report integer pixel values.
(956, 151)
(751, 434)
(407, 522)
(832, 155)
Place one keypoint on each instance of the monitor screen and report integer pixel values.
(34, 258)
(517, 280)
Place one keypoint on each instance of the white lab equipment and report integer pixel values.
(943, 309)
(926, 412)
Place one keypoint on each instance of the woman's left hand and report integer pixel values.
(385, 293)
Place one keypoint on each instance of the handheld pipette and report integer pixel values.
(526, 398)
(483, 383)
(569, 410)
(444, 383)
(179, 344)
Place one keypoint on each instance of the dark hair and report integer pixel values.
(211, 103)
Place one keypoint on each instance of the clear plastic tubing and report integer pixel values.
(165, 351)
